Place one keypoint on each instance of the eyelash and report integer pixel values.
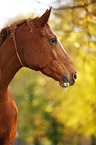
(53, 41)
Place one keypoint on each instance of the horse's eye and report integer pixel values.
(53, 41)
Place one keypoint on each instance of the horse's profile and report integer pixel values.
(29, 43)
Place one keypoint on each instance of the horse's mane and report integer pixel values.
(3, 34)
(6, 31)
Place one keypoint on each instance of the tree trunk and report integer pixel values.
(93, 140)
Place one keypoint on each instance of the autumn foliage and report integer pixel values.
(48, 113)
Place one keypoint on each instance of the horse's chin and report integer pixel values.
(64, 84)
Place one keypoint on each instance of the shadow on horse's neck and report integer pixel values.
(9, 63)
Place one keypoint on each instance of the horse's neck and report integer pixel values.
(9, 63)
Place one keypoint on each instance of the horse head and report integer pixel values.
(44, 52)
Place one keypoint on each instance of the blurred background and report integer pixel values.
(49, 114)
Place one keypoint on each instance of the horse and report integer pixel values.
(32, 44)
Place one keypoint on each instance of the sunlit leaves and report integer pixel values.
(78, 111)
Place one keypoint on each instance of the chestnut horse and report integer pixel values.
(29, 43)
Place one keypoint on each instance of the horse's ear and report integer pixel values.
(44, 18)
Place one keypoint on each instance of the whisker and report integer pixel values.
(65, 90)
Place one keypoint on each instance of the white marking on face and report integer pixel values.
(60, 44)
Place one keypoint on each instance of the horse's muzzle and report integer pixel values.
(66, 83)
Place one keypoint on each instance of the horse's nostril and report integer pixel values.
(74, 76)
(64, 78)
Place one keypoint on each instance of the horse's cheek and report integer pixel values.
(31, 57)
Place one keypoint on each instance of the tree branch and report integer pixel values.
(75, 7)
